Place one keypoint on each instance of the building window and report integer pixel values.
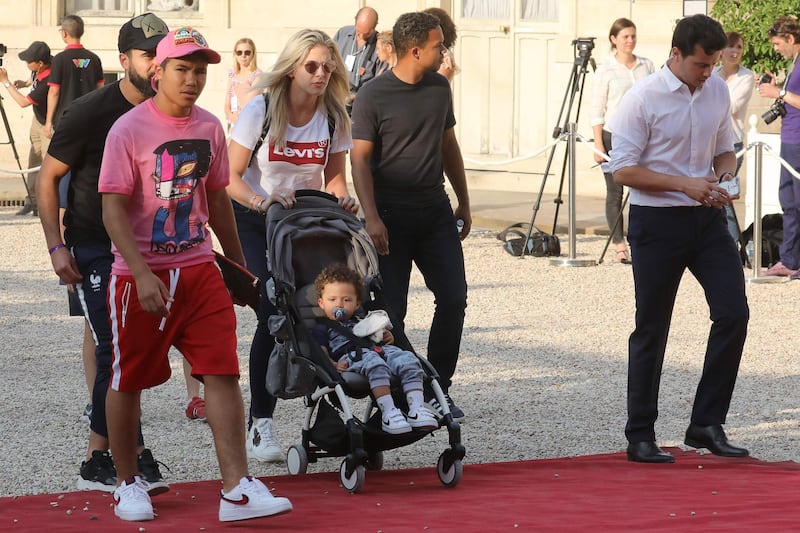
(173, 5)
(78, 6)
(486, 9)
(539, 10)
(694, 7)
(114, 7)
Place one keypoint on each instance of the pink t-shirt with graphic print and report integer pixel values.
(165, 165)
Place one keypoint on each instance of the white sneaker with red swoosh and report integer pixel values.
(250, 499)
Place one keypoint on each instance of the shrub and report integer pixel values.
(753, 19)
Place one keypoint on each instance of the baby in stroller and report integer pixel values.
(339, 289)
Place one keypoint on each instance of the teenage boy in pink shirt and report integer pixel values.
(163, 179)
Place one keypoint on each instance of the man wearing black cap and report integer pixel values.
(85, 260)
(38, 59)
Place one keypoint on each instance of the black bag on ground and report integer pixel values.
(540, 244)
(771, 239)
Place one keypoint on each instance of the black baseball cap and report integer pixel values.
(141, 33)
(37, 51)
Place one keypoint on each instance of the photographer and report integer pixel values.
(785, 37)
(37, 57)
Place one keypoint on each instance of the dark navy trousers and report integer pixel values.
(94, 264)
(789, 198)
(666, 241)
(427, 237)
(253, 236)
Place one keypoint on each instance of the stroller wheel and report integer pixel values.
(375, 461)
(297, 459)
(355, 482)
(448, 469)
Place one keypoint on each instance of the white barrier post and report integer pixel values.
(572, 261)
(755, 261)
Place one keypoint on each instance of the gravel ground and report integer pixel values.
(542, 371)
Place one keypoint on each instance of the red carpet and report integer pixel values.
(599, 492)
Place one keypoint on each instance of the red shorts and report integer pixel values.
(201, 324)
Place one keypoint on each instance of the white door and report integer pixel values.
(502, 94)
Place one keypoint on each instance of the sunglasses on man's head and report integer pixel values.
(245, 52)
(313, 66)
(772, 32)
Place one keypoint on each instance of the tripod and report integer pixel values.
(582, 48)
(10, 141)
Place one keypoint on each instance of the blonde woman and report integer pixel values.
(386, 52)
(240, 79)
(304, 106)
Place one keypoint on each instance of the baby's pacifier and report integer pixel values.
(340, 313)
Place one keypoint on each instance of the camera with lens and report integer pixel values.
(3, 51)
(584, 45)
(776, 110)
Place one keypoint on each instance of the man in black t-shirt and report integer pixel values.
(38, 59)
(403, 141)
(75, 72)
(85, 260)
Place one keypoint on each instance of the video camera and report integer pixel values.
(583, 47)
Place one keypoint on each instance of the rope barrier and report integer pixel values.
(18, 171)
(578, 137)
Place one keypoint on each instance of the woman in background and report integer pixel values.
(240, 79)
(740, 83)
(386, 52)
(448, 69)
(612, 81)
(303, 103)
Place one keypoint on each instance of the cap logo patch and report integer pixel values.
(150, 25)
(189, 36)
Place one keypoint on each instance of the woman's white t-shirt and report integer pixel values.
(300, 164)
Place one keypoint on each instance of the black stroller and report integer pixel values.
(301, 242)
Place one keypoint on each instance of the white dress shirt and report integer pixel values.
(665, 128)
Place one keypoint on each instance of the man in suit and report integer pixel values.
(357, 44)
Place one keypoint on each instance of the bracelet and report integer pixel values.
(56, 247)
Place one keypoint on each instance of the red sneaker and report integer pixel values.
(196, 409)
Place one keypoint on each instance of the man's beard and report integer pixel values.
(142, 84)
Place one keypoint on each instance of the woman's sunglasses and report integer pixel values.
(313, 66)
(245, 52)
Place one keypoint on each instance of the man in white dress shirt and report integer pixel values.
(672, 145)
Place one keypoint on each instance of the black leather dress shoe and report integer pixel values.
(713, 438)
(648, 452)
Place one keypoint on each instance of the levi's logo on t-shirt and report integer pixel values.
(300, 153)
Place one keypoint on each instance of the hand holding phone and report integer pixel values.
(731, 186)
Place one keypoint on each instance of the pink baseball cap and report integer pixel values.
(181, 43)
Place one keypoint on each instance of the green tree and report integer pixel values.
(753, 19)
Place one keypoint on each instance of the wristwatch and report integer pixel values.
(782, 92)
(7, 84)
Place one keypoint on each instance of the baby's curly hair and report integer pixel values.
(338, 272)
